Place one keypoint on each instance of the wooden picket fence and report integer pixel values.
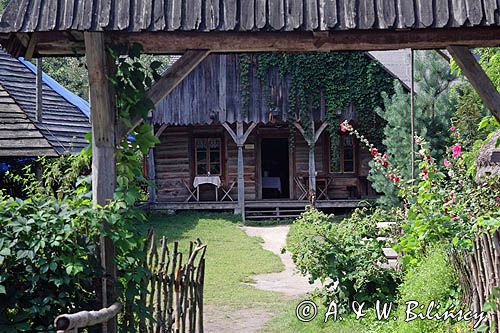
(174, 295)
(479, 273)
(175, 290)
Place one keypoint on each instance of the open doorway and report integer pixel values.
(275, 168)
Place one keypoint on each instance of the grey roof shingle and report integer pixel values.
(63, 125)
(245, 15)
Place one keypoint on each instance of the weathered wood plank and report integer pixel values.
(458, 12)
(260, 13)
(142, 14)
(311, 20)
(230, 9)
(66, 14)
(366, 14)
(192, 15)
(386, 12)
(425, 13)
(490, 7)
(122, 16)
(211, 14)
(441, 13)
(276, 12)
(406, 13)
(104, 14)
(247, 15)
(348, 14)
(294, 14)
(34, 15)
(174, 10)
(477, 77)
(474, 11)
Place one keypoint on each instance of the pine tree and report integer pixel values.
(433, 110)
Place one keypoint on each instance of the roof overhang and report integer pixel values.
(71, 43)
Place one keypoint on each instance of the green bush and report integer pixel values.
(47, 262)
(346, 251)
(433, 279)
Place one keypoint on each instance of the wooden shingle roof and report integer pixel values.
(63, 127)
(245, 15)
(19, 137)
(55, 27)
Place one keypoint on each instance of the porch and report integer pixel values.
(263, 209)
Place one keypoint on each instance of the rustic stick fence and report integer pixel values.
(479, 273)
(174, 294)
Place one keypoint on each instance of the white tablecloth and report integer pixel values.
(214, 180)
(272, 182)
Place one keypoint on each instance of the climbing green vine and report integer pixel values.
(340, 78)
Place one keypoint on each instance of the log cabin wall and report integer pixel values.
(174, 163)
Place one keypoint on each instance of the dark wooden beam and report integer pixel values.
(477, 77)
(103, 154)
(171, 79)
(58, 43)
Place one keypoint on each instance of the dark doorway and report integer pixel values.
(275, 168)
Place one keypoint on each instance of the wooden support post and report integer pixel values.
(151, 176)
(477, 77)
(103, 154)
(240, 137)
(311, 142)
(39, 91)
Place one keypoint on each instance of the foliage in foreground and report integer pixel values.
(347, 252)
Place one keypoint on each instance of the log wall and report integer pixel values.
(174, 163)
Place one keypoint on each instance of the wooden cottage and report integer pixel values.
(213, 138)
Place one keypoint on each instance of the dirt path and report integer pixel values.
(289, 282)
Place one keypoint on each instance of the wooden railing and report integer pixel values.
(70, 323)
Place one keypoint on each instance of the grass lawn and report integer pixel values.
(231, 258)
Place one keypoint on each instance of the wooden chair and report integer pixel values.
(227, 190)
(192, 191)
(302, 188)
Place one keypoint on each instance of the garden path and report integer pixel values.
(289, 282)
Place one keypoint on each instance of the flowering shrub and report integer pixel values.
(444, 203)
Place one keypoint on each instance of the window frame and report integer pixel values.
(341, 157)
(208, 153)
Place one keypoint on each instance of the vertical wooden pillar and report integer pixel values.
(103, 154)
(151, 176)
(241, 169)
(311, 140)
(240, 137)
(39, 91)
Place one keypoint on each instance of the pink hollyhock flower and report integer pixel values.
(396, 179)
(446, 163)
(386, 164)
(384, 156)
(391, 176)
(373, 151)
(452, 197)
(452, 128)
(426, 174)
(343, 128)
(417, 141)
(456, 150)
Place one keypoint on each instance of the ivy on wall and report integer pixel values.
(341, 78)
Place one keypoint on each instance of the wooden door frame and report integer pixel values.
(271, 133)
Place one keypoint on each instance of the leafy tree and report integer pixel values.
(433, 110)
(470, 108)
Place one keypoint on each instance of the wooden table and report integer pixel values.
(213, 180)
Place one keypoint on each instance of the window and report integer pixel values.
(346, 158)
(208, 156)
